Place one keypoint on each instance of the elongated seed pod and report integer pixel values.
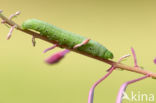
(69, 39)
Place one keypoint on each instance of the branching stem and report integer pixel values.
(110, 62)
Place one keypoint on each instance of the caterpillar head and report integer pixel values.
(108, 55)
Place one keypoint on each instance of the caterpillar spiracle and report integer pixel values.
(69, 39)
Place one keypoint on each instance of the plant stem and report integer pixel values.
(110, 62)
(124, 86)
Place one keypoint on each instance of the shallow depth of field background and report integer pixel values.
(117, 24)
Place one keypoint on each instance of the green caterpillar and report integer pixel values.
(69, 39)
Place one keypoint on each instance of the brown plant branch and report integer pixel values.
(110, 62)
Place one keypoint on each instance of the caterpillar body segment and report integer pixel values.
(69, 39)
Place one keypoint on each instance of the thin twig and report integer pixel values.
(110, 62)
(10, 32)
(91, 92)
(124, 86)
(48, 49)
(134, 57)
(110, 70)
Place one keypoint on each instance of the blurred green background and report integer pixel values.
(117, 24)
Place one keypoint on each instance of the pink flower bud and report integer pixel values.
(154, 61)
(55, 58)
